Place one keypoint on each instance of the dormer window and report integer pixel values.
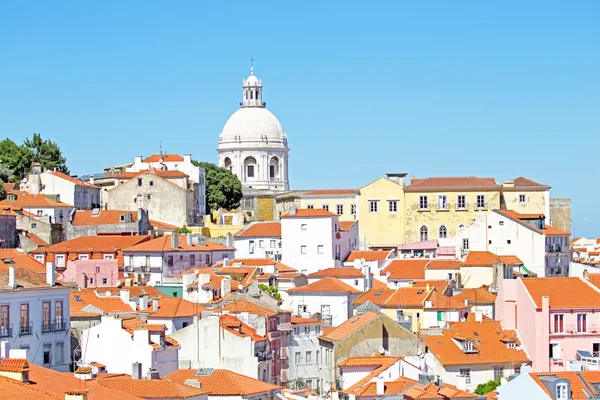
(561, 391)
(511, 344)
(468, 345)
(11, 197)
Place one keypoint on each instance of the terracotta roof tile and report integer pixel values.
(581, 383)
(370, 255)
(443, 264)
(162, 225)
(163, 243)
(165, 157)
(26, 279)
(405, 297)
(377, 284)
(300, 321)
(35, 239)
(26, 200)
(261, 229)
(244, 306)
(522, 218)
(522, 182)
(432, 391)
(487, 341)
(14, 365)
(332, 192)
(350, 326)
(22, 260)
(134, 291)
(328, 284)
(86, 301)
(239, 328)
(93, 244)
(222, 382)
(104, 217)
(563, 292)
(440, 285)
(345, 226)
(174, 307)
(406, 269)
(71, 179)
(454, 182)
(151, 388)
(488, 259)
(379, 363)
(11, 389)
(480, 295)
(166, 174)
(340, 272)
(309, 212)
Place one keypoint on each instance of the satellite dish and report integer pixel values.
(381, 350)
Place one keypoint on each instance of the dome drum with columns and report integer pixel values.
(253, 144)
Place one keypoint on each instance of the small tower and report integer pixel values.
(252, 91)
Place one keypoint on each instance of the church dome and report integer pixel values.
(252, 124)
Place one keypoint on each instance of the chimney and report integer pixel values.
(76, 395)
(467, 302)
(83, 281)
(143, 301)
(155, 304)
(225, 287)
(91, 179)
(124, 293)
(293, 211)
(137, 160)
(478, 316)
(12, 283)
(153, 374)
(193, 383)
(188, 239)
(50, 273)
(174, 241)
(187, 158)
(379, 386)
(136, 372)
(226, 262)
(4, 349)
(428, 288)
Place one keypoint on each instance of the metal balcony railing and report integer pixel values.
(146, 268)
(60, 326)
(26, 329)
(6, 331)
(574, 329)
(47, 327)
(54, 326)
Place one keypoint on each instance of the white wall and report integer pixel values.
(318, 231)
(430, 317)
(82, 197)
(302, 342)
(340, 305)
(257, 247)
(57, 214)
(357, 283)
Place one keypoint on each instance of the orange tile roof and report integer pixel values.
(35, 239)
(152, 388)
(174, 307)
(9, 187)
(134, 291)
(370, 255)
(350, 326)
(72, 179)
(261, 229)
(26, 279)
(328, 284)
(379, 363)
(258, 262)
(93, 244)
(22, 260)
(244, 306)
(309, 212)
(27, 200)
(488, 340)
(377, 284)
(78, 301)
(162, 225)
(432, 391)
(222, 382)
(169, 173)
(163, 243)
(340, 272)
(405, 297)
(443, 264)
(440, 285)
(399, 386)
(563, 292)
(165, 158)
(11, 389)
(104, 217)
(522, 218)
(581, 383)
(328, 192)
(442, 302)
(488, 259)
(480, 295)
(345, 226)
(450, 183)
(14, 365)
(239, 328)
(300, 321)
(521, 182)
(594, 279)
(406, 269)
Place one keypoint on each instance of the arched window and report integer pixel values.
(443, 233)
(227, 164)
(424, 234)
(274, 168)
(250, 167)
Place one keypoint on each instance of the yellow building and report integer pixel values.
(526, 197)
(437, 207)
(342, 202)
(381, 212)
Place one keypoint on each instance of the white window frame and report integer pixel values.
(465, 244)
(393, 206)
(480, 205)
(421, 233)
(445, 231)
(556, 352)
(442, 202)
(460, 206)
(251, 246)
(373, 206)
(339, 208)
(303, 227)
(320, 249)
(310, 206)
(522, 198)
(353, 209)
(261, 244)
(423, 202)
(498, 372)
(272, 243)
(303, 249)
(62, 257)
(108, 256)
(562, 392)
(325, 207)
(465, 373)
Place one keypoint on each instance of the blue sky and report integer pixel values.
(500, 89)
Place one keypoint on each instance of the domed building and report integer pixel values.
(253, 144)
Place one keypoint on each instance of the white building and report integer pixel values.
(259, 240)
(118, 343)
(360, 280)
(161, 260)
(34, 315)
(543, 249)
(178, 163)
(304, 351)
(253, 144)
(312, 239)
(328, 298)
(42, 207)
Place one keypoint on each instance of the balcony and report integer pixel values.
(590, 329)
(128, 268)
(584, 361)
(53, 326)
(146, 268)
(556, 248)
(5, 331)
(481, 206)
(26, 329)
(283, 354)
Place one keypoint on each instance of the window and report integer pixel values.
(317, 354)
(320, 249)
(302, 308)
(508, 241)
(170, 261)
(517, 370)
(480, 201)
(561, 391)
(353, 209)
(308, 357)
(440, 316)
(148, 196)
(465, 245)
(84, 257)
(151, 183)
(307, 330)
(581, 322)
(498, 372)
(302, 249)
(139, 181)
(60, 260)
(297, 357)
(356, 282)
(193, 260)
(272, 244)
(105, 281)
(271, 171)
(250, 171)
(4, 325)
(423, 234)
(373, 206)
(555, 351)
(25, 320)
(47, 349)
(261, 244)
(522, 198)
(393, 206)
(442, 202)
(339, 209)
(317, 331)
(466, 373)
(443, 233)
(108, 256)
(251, 246)
(423, 203)
(310, 206)
(33, 226)
(558, 322)
(60, 353)
(40, 213)
(207, 259)
(303, 227)
(461, 202)
(325, 207)
(501, 223)
(91, 281)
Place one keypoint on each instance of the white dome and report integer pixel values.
(250, 123)
(252, 81)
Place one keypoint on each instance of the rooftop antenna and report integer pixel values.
(160, 144)
(251, 65)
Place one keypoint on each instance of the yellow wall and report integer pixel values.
(474, 277)
(382, 228)
(332, 202)
(215, 231)
(451, 218)
(412, 312)
(535, 202)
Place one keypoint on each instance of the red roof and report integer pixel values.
(89, 244)
(222, 382)
(370, 255)
(165, 158)
(309, 212)
(103, 217)
(22, 260)
(345, 226)
(261, 229)
(488, 259)
(168, 173)
(163, 243)
(328, 284)
(331, 192)
(523, 218)
(350, 326)
(340, 272)
(563, 292)
(452, 183)
(406, 269)
(26, 200)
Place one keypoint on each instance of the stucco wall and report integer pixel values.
(560, 214)
(332, 202)
(382, 228)
(536, 202)
(319, 232)
(8, 231)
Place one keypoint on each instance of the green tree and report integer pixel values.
(16, 158)
(270, 290)
(6, 173)
(46, 153)
(300, 384)
(485, 388)
(2, 190)
(183, 230)
(223, 188)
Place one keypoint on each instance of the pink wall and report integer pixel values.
(95, 272)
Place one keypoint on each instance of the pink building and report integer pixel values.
(92, 273)
(558, 320)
